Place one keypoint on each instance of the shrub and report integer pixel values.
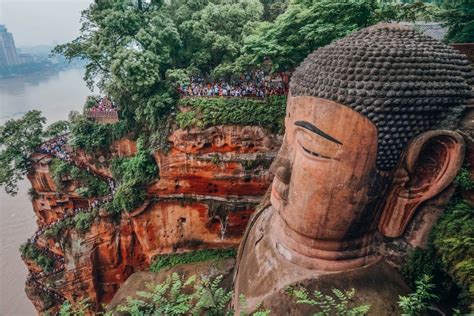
(89, 185)
(329, 305)
(250, 165)
(32, 194)
(453, 239)
(181, 297)
(127, 197)
(170, 260)
(140, 169)
(421, 300)
(266, 112)
(56, 129)
(90, 136)
(464, 179)
(33, 253)
(449, 257)
(186, 119)
(84, 220)
(132, 175)
(81, 222)
(78, 309)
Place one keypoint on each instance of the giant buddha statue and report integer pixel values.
(369, 137)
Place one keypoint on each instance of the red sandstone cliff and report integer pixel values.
(209, 184)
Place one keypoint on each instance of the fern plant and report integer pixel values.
(421, 300)
(329, 305)
(178, 297)
(78, 309)
(243, 307)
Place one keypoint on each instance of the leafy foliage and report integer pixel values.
(408, 12)
(77, 309)
(329, 305)
(90, 136)
(305, 26)
(91, 101)
(180, 297)
(459, 17)
(464, 180)
(204, 112)
(33, 253)
(138, 51)
(56, 129)
(81, 222)
(18, 139)
(453, 238)
(187, 119)
(259, 161)
(165, 261)
(132, 175)
(449, 255)
(419, 301)
(89, 185)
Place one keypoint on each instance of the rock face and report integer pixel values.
(210, 182)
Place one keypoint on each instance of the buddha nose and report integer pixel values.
(283, 173)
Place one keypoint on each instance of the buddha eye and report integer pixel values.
(310, 146)
(314, 154)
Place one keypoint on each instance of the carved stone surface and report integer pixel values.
(363, 148)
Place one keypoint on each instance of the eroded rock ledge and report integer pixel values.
(209, 184)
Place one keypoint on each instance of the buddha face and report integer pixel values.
(326, 182)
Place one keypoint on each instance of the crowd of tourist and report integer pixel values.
(55, 147)
(43, 274)
(50, 292)
(251, 84)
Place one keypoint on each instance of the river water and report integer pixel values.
(55, 95)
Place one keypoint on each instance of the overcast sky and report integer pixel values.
(42, 22)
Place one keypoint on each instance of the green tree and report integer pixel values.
(418, 10)
(302, 28)
(57, 128)
(18, 139)
(138, 51)
(459, 17)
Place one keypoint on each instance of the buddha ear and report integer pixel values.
(427, 167)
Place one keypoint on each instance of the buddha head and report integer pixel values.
(368, 138)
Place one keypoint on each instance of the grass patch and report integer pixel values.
(171, 260)
(204, 112)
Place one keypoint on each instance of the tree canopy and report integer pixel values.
(302, 28)
(18, 139)
(137, 51)
(459, 18)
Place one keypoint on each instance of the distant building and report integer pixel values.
(26, 58)
(103, 112)
(8, 53)
(435, 30)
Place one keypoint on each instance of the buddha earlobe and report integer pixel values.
(428, 166)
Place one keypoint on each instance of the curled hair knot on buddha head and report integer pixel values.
(406, 83)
